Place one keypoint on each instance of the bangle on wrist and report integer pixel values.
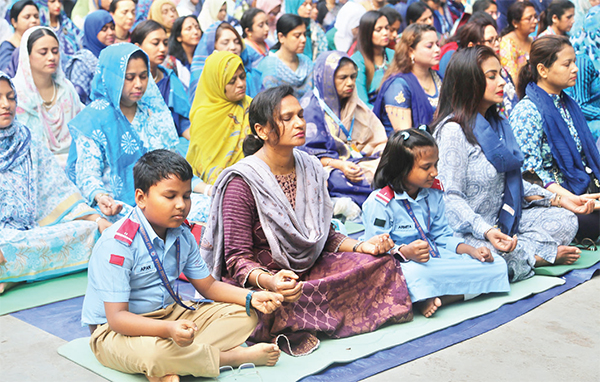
(207, 189)
(98, 219)
(557, 198)
(258, 283)
(486, 232)
(328, 162)
(248, 302)
(355, 248)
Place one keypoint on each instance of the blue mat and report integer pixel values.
(420, 347)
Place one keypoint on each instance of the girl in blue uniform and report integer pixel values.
(408, 204)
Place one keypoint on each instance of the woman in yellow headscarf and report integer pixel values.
(163, 12)
(219, 117)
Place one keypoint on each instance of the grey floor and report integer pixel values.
(558, 341)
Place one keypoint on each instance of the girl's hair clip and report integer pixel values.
(422, 127)
(405, 135)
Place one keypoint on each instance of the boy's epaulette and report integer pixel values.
(385, 195)
(196, 230)
(127, 231)
(437, 185)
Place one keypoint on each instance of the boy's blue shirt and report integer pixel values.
(391, 217)
(136, 281)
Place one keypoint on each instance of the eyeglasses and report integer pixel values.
(245, 372)
(492, 40)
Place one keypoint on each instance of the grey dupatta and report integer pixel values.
(296, 237)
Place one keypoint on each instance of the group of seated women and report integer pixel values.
(464, 180)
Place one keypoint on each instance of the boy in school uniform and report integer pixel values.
(138, 322)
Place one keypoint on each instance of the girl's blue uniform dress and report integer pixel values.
(451, 273)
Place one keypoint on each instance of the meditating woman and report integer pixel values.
(219, 118)
(515, 43)
(99, 32)
(183, 41)
(126, 118)
(409, 93)
(341, 130)
(559, 150)
(270, 228)
(47, 100)
(255, 33)
(419, 13)
(481, 30)
(47, 229)
(24, 14)
(287, 65)
(557, 19)
(164, 13)
(373, 57)
(223, 37)
(123, 13)
(316, 42)
(69, 35)
(212, 11)
(152, 38)
(272, 8)
(488, 203)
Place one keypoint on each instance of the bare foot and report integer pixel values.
(429, 306)
(166, 378)
(565, 256)
(261, 354)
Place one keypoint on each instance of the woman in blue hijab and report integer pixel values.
(126, 107)
(99, 32)
(341, 130)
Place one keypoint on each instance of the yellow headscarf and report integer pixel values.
(218, 126)
(155, 12)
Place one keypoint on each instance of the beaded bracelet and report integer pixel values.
(248, 301)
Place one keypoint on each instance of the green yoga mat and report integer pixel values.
(30, 295)
(346, 349)
(587, 259)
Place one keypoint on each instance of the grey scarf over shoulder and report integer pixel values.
(296, 237)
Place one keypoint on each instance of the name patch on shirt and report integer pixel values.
(144, 268)
(117, 260)
(404, 226)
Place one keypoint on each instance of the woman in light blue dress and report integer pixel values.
(127, 118)
(47, 228)
(286, 64)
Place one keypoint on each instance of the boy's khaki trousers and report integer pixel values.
(221, 327)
